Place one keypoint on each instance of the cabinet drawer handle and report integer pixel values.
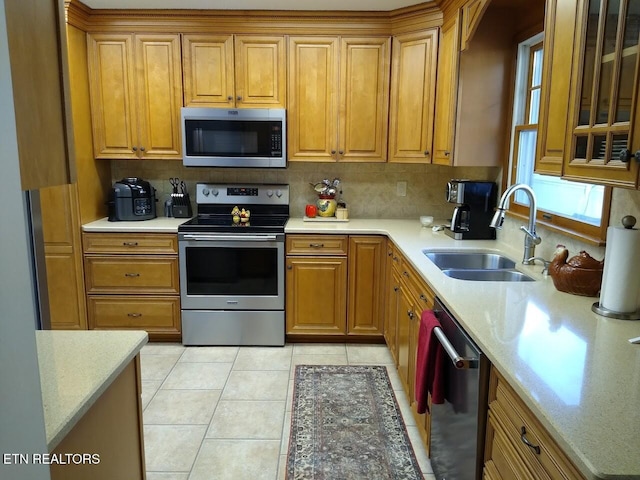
(523, 437)
(130, 244)
(131, 274)
(134, 314)
(316, 245)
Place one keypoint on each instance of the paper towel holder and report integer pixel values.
(629, 222)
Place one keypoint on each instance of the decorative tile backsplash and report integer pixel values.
(368, 189)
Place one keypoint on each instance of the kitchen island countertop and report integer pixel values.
(575, 369)
(76, 367)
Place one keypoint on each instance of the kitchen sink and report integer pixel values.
(469, 260)
(487, 275)
(476, 265)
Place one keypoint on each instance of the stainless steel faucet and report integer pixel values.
(531, 239)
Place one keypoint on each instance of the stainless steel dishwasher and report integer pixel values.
(458, 425)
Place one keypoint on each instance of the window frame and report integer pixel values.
(588, 233)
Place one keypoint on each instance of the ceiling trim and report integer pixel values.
(298, 22)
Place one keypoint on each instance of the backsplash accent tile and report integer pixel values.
(369, 189)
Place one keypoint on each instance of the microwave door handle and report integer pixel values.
(200, 141)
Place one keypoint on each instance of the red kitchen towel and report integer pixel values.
(429, 363)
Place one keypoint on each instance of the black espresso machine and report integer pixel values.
(476, 204)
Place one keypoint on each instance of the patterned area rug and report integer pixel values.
(346, 424)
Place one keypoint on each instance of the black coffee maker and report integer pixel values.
(476, 204)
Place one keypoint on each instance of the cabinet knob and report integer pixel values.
(135, 149)
(626, 155)
(239, 98)
(426, 153)
(447, 153)
(341, 152)
(142, 149)
(410, 314)
(333, 152)
(396, 288)
(289, 267)
(230, 98)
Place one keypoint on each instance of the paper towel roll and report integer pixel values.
(620, 290)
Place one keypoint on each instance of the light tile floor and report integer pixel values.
(217, 413)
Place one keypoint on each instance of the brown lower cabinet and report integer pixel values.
(409, 295)
(132, 282)
(335, 286)
(110, 431)
(517, 445)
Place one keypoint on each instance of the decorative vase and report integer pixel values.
(326, 206)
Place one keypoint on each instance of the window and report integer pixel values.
(579, 209)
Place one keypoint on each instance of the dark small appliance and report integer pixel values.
(132, 199)
(476, 204)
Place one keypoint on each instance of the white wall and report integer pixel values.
(21, 415)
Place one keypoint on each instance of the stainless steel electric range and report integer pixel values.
(232, 266)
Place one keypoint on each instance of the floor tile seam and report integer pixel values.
(191, 389)
(176, 424)
(242, 438)
(260, 369)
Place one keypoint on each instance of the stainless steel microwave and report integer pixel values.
(242, 137)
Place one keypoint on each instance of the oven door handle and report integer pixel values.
(241, 238)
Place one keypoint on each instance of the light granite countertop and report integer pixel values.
(574, 369)
(155, 225)
(76, 367)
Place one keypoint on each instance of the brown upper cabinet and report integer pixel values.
(338, 98)
(136, 94)
(603, 143)
(41, 96)
(559, 31)
(234, 71)
(473, 86)
(413, 88)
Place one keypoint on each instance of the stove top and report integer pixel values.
(239, 208)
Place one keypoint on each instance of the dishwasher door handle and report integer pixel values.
(458, 360)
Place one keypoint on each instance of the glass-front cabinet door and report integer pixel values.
(605, 130)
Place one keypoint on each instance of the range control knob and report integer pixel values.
(205, 192)
(278, 193)
(269, 193)
(215, 192)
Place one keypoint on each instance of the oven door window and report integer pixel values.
(224, 138)
(232, 271)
